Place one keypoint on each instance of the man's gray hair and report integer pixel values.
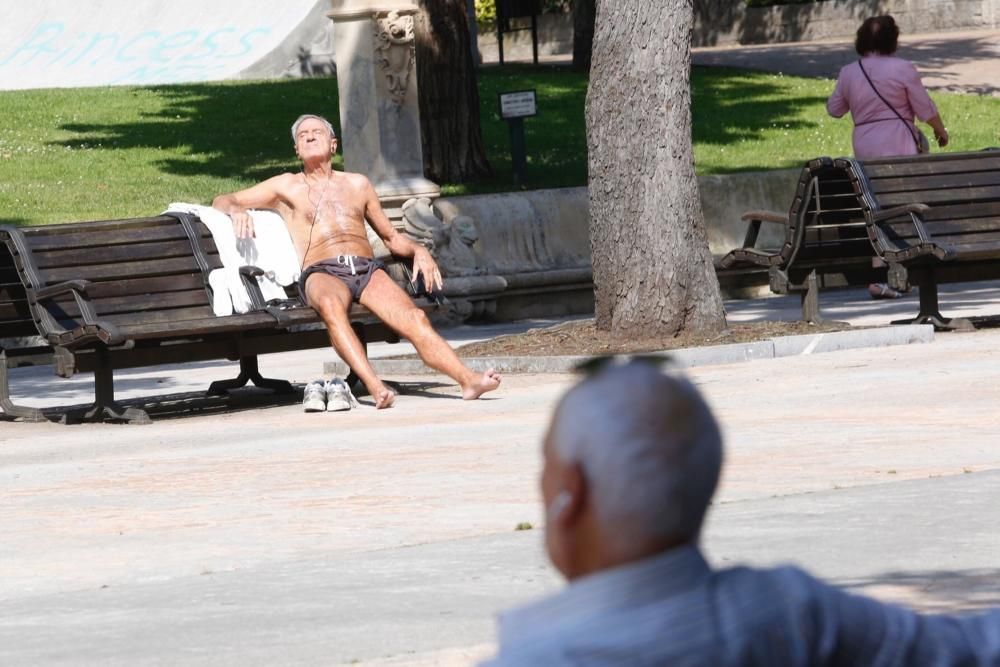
(306, 116)
(649, 447)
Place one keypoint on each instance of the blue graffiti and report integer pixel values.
(153, 55)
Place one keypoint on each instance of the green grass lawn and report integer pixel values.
(95, 153)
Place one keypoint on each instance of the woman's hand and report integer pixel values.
(941, 137)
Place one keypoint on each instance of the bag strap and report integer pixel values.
(909, 125)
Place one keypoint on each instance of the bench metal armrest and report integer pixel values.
(92, 326)
(915, 213)
(757, 217)
(77, 288)
(418, 288)
(248, 275)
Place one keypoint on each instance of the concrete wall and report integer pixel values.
(549, 229)
(533, 248)
(720, 22)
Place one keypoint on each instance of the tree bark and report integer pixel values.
(449, 97)
(653, 270)
(584, 14)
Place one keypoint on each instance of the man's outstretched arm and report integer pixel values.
(235, 204)
(399, 244)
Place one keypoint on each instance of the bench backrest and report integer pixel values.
(139, 269)
(962, 191)
(15, 314)
(830, 219)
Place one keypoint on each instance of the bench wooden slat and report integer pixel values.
(12, 292)
(985, 195)
(99, 235)
(932, 182)
(122, 270)
(14, 311)
(934, 164)
(982, 236)
(167, 320)
(138, 305)
(945, 227)
(202, 326)
(80, 257)
(143, 286)
(959, 212)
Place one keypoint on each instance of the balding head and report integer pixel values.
(648, 451)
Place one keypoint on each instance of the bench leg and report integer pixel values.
(930, 311)
(10, 409)
(810, 300)
(810, 303)
(250, 372)
(105, 406)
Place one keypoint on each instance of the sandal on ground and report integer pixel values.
(883, 291)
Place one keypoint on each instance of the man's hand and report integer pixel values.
(242, 224)
(424, 265)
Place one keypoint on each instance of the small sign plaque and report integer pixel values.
(518, 104)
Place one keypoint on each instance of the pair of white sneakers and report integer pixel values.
(331, 396)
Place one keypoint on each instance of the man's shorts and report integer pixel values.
(353, 271)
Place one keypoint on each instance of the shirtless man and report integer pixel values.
(325, 212)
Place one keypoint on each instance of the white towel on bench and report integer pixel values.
(271, 250)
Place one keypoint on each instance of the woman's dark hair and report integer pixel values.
(877, 34)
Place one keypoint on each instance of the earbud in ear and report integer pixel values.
(558, 505)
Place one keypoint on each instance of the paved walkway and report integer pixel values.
(266, 536)
(961, 61)
(269, 536)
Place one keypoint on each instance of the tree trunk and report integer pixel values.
(449, 98)
(584, 13)
(653, 270)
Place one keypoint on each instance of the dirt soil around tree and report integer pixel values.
(582, 337)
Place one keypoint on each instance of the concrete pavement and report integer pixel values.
(958, 61)
(267, 536)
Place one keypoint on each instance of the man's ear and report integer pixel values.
(571, 500)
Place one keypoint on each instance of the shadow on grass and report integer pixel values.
(240, 130)
(730, 108)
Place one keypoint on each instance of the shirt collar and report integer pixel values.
(653, 578)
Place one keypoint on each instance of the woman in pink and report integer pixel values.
(878, 131)
(868, 87)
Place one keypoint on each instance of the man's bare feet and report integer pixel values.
(384, 398)
(489, 381)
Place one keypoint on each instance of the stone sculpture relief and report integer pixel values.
(450, 244)
(395, 51)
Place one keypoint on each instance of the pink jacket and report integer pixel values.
(877, 130)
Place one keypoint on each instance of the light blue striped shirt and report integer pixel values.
(673, 609)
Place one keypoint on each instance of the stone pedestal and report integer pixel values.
(379, 111)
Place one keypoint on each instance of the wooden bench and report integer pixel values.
(19, 343)
(132, 293)
(825, 241)
(933, 219)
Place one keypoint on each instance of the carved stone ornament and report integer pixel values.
(395, 51)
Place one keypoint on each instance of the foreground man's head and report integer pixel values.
(632, 458)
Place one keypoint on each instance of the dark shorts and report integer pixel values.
(353, 271)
